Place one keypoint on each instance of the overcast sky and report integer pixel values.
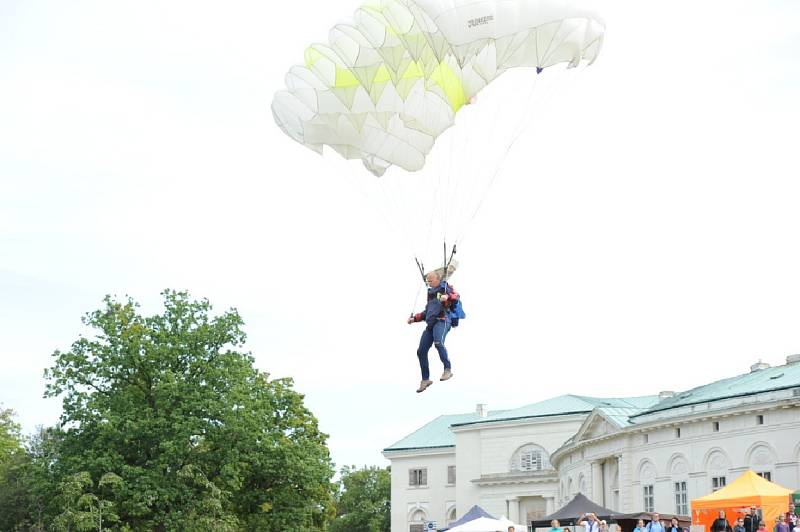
(644, 236)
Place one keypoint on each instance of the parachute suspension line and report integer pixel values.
(438, 198)
(501, 161)
(473, 170)
(380, 208)
(447, 261)
(451, 197)
(478, 171)
(395, 219)
(421, 269)
(416, 298)
(460, 164)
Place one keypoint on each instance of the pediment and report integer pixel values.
(595, 426)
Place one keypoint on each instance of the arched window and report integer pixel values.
(717, 467)
(679, 471)
(530, 457)
(762, 459)
(416, 521)
(451, 515)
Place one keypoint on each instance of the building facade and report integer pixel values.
(653, 453)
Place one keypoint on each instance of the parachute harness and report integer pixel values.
(446, 269)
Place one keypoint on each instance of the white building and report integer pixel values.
(651, 453)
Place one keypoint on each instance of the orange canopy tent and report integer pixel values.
(737, 497)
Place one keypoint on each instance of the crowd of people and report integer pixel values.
(750, 522)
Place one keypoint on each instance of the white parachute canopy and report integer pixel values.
(392, 82)
(387, 84)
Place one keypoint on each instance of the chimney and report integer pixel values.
(666, 394)
(758, 366)
(792, 359)
(480, 409)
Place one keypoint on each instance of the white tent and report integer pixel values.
(507, 523)
(485, 524)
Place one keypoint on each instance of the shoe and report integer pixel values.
(446, 375)
(423, 385)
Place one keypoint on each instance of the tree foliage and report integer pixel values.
(363, 500)
(195, 437)
(10, 439)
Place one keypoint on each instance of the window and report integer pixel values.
(530, 460)
(715, 426)
(451, 516)
(681, 499)
(717, 483)
(451, 474)
(678, 433)
(418, 477)
(417, 522)
(649, 501)
(530, 457)
(766, 475)
(759, 419)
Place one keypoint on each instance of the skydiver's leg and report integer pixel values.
(425, 342)
(440, 331)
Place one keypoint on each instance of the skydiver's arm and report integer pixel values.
(419, 316)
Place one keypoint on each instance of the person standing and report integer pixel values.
(739, 526)
(793, 515)
(655, 524)
(639, 526)
(589, 522)
(555, 526)
(674, 526)
(751, 520)
(721, 524)
(783, 524)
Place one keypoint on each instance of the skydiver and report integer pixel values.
(441, 298)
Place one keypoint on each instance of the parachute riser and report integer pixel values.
(447, 261)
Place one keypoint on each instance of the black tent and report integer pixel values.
(473, 513)
(627, 522)
(569, 514)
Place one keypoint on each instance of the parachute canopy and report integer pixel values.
(387, 84)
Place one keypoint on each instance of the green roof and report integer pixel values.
(621, 413)
(434, 434)
(764, 380)
(437, 433)
(557, 406)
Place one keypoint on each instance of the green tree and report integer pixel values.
(10, 438)
(83, 510)
(12, 460)
(173, 406)
(363, 500)
(28, 488)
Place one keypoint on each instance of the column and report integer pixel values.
(620, 485)
(551, 505)
(513, 509)
(597, 482)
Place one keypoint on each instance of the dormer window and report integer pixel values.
(530, 457)
(530, 460)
